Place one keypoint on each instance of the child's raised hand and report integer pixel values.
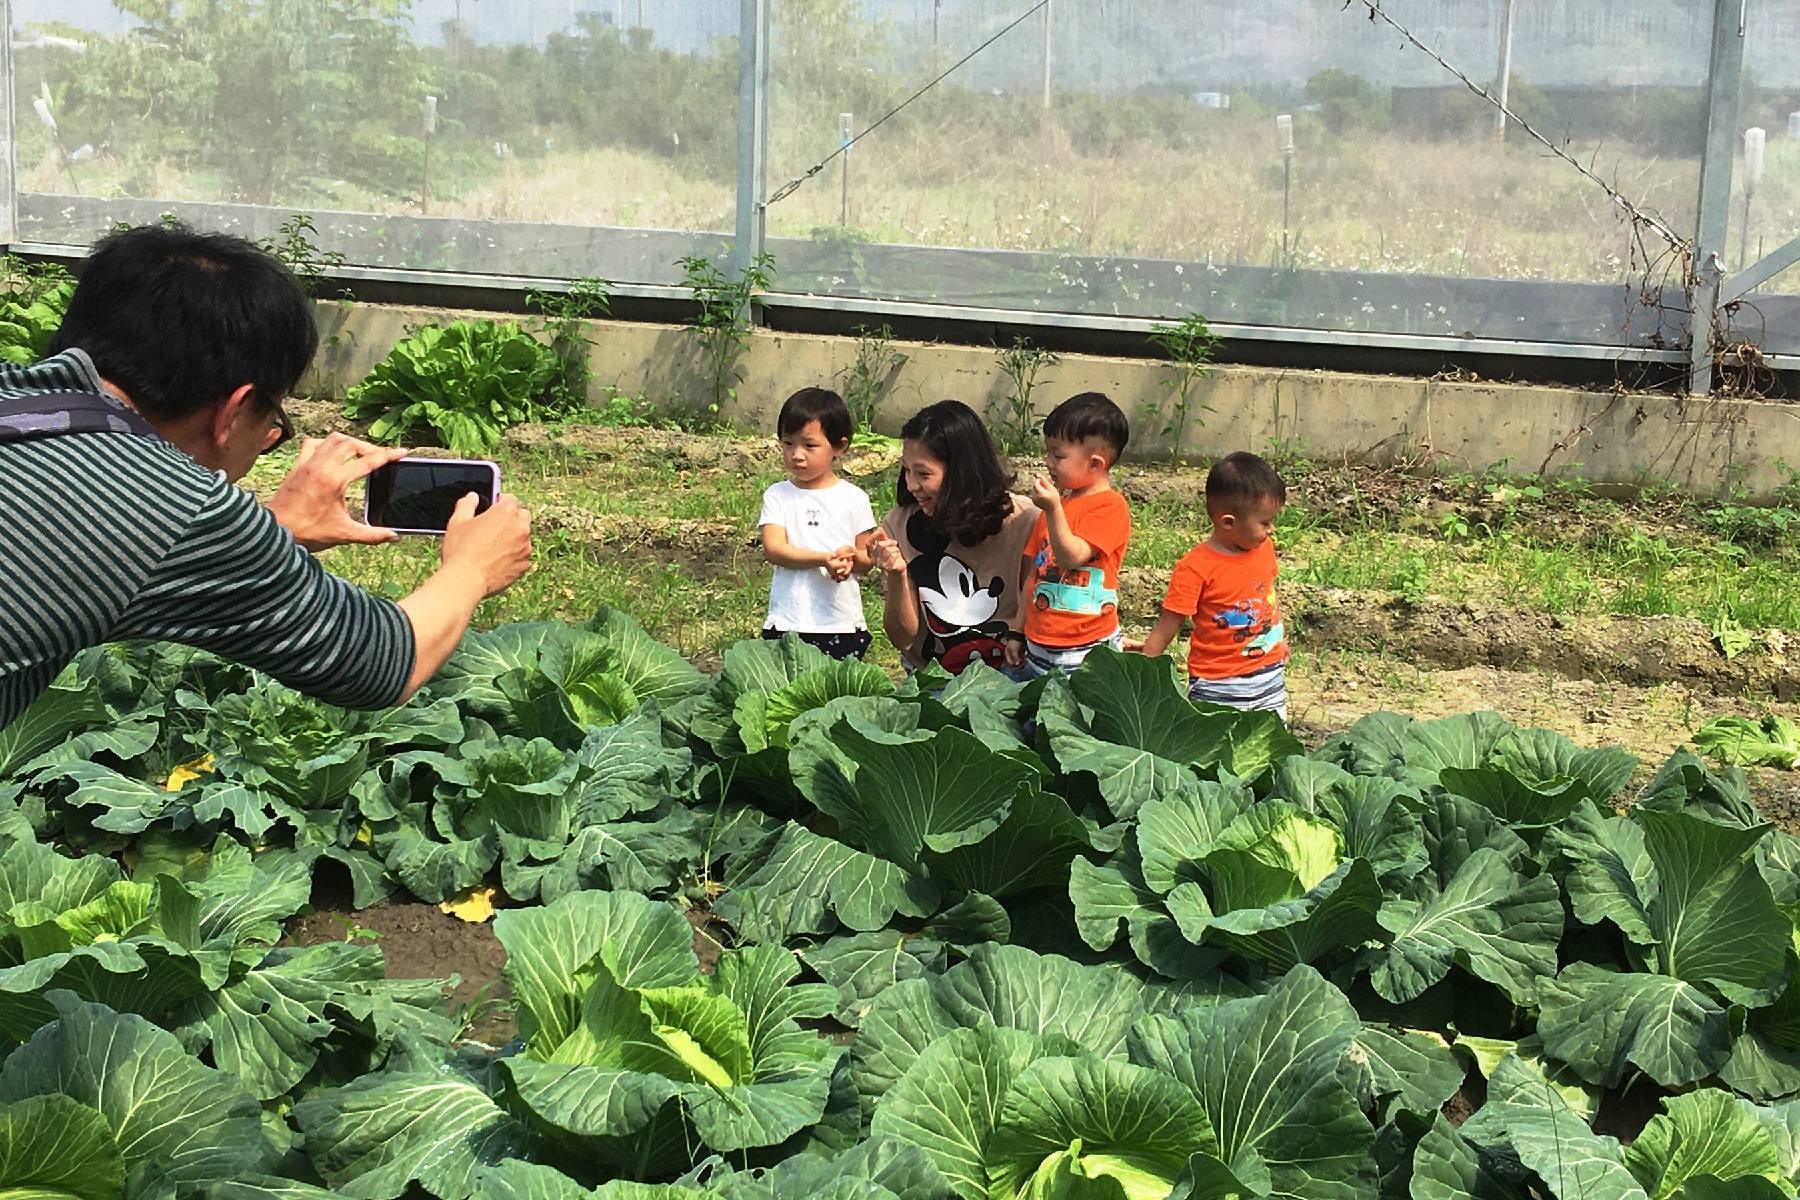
(841, 562)
(1044, 494)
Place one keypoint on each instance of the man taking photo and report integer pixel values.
(119, 511)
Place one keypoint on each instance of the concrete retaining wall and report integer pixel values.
(1701, 445)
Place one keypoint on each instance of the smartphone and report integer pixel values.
(418, 495)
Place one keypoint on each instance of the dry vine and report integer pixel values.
(1652, 270)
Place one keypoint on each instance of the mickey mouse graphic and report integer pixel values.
(958, 606)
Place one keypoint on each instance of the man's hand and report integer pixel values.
(841, 563)
(493, 549)
(1045, 495)
(1133, 646)
(310, 501)
(884, 552)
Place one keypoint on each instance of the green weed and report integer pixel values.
(1015, 421)
(1190, 346)
(721, 327)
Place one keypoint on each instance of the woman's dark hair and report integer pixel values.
(180, 319)
(816, 404)
(973, 502)
(1241, 477)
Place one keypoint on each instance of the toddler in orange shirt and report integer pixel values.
(1070, 578)
(1226, 585)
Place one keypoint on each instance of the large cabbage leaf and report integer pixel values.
(172, 1120)
(1268, 1072)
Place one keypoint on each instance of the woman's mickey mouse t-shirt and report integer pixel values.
(968, 595)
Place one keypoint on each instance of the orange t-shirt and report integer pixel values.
(1237, 620)
(1079, 607)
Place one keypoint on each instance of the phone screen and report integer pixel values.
(421, 493)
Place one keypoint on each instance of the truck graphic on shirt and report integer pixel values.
(1240, 619)
(1061, 591)
(1265, 641)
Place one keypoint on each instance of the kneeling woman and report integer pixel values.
(950, 547)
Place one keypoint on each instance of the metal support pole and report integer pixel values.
(1049, 9)
(1503, 76)
(1724, 93)
(753, 134)
(9, 141)
(1287, 191)
(1760, 272)
(846, 138)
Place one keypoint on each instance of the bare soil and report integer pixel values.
(1635, 650)
(418, 941)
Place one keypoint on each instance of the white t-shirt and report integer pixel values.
(810, 601)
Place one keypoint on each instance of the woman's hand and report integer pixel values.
(885, 553)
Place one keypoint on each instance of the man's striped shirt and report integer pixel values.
(107, 536)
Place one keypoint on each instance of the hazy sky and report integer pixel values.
(1202, 44)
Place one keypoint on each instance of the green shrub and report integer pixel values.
(465, 382)
(1349, 102)
(35, 299)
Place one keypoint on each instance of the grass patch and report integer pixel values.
(664, 525)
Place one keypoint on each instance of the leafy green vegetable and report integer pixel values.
(1108, 962)
(30, 317)
(1773, 741)
(465, 381)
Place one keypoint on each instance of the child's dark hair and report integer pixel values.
(1243, 476)
(1090, 415)
(974, 500)
(816, 404)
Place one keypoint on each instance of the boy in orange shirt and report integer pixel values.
(1070, 582)
(1227, 585)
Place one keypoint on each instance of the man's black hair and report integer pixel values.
(1243, 476)
(1090, 415)
(179, 320)
(816, 404)
(975, 498)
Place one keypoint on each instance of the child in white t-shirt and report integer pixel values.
(815, 530)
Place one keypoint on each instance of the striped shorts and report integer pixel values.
(1041, 660)
(1265, 689)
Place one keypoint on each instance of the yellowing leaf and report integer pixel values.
(365, 836)
(187, 772)
(474, 905)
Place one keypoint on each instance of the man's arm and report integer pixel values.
(237, 585)
(482, 555)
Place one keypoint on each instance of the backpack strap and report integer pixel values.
(56, 414)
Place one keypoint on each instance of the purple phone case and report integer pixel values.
(493, 492)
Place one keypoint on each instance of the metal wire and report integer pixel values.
(1376, 12)
(793, 185)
